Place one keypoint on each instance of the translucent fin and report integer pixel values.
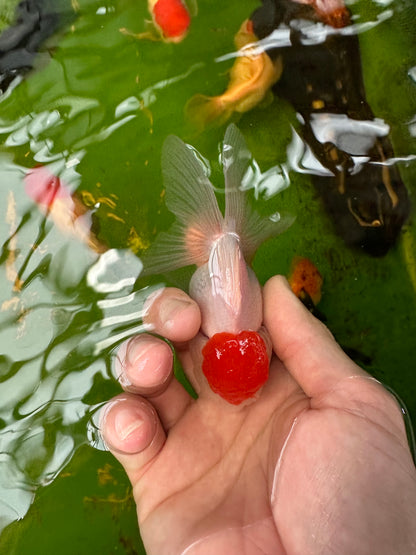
(192, 7)
(240, 217)
(190, 196)
(208, 111)
(168, 252)
(236, 159)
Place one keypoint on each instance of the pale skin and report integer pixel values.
(318, 464)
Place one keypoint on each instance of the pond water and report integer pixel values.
(94, 112)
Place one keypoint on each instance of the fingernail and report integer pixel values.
(151, 299)
(170, 309)
(137, 349)
(127, 423)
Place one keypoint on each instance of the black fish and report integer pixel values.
(322, 79)
(35, 21)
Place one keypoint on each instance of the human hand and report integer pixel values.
(318, 464)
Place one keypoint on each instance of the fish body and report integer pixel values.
(251, 78)
(305, 280)
(223, 285)
(171, 18)
(64, 208)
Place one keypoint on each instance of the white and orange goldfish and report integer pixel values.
(251, 77)
(224, 286)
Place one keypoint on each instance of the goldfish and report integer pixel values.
(54, 198)
(251, 78)
(170, 21)
(235, 360)
(305, 280)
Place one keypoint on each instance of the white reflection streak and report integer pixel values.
(114, 339)
(394, 160)
(148, 96)
(311, 34)
(121, 319)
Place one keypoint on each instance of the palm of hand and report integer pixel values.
(288, 474)
(216, 472)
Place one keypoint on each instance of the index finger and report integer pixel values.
(304, 345)
(170, 312)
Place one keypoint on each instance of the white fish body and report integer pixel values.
(224, 286)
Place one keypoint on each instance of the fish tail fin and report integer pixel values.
(204, 111)
(190, 197)
(240, 217)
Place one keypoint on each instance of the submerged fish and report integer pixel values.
(306, 281)
(352, 165)
(57, 202)
(170, 21)
(251, 78)
(224, 285)
(35, 21)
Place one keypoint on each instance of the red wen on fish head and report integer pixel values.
(172, 17)
(236, 366)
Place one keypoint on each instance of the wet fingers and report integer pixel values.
(144, 366)
(132, 432)
(173, 314)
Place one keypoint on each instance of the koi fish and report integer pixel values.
(56, 201)
(251, 78)
(170, 21)
(224, 286)
(353, 165)
(306, 281)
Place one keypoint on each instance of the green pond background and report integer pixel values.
(96, 112)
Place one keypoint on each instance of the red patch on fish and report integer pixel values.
(44, 187)
(236, 366)
(172, 17)
(338, 19)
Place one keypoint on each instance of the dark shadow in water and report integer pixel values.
(35, 22)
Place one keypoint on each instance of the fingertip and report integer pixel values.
(132, 432)
(277, 283)
(173, 314)
(144, 364)
(128, 424)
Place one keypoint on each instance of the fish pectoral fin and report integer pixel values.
(151, 33)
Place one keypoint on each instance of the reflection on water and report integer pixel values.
(95, 117)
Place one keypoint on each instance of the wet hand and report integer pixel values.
(319, 463)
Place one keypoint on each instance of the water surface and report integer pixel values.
(95, 112)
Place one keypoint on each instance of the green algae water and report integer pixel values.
(95, 111)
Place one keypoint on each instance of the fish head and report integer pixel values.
(227, 290)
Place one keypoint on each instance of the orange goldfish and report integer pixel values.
(305, 280)
(251, 77)
(170, 21)
(56, 201)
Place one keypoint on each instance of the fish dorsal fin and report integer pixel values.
(240, 217)
(190, 197)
